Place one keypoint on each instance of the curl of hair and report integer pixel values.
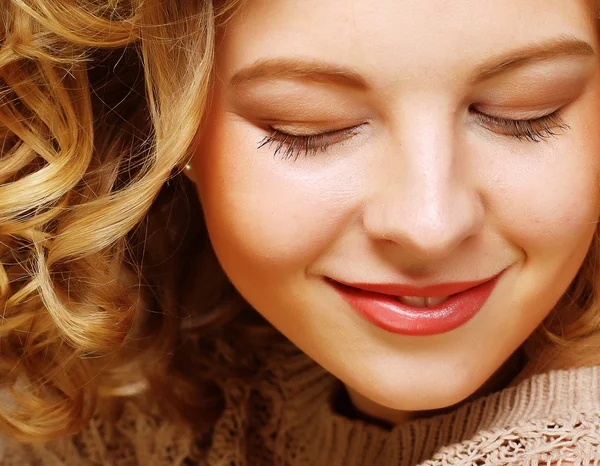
(107, 277)
(99, 104)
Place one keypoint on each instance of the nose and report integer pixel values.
(424, 200)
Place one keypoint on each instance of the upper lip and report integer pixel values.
(430, 291)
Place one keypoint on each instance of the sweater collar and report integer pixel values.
(310, 392)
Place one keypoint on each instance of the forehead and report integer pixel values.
(374, 35)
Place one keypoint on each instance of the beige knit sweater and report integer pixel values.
(289, 418)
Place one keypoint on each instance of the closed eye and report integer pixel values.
(291, 146)
(535, 129)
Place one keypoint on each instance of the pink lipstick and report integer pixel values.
(417, 311)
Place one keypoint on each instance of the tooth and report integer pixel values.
(436, 301)
(414, 301)
(419, 302)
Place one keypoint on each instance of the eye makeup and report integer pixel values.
(291, 146)
(533, 129)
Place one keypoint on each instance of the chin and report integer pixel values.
(418, 392)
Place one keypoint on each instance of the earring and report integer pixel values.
(189, 172)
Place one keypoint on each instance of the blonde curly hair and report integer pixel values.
(101, 237)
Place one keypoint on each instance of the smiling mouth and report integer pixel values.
(417, 311)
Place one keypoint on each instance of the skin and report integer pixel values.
(425, 192)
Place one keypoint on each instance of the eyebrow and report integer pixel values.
(290, 68)
(323, 72)
(561, 47)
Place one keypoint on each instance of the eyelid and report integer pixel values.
(299, 134)
(532, 129)
(343, 133)
(292, 145)
(515, 114)
(314, 128)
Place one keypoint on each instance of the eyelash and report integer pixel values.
(291, 146)
(534, 130)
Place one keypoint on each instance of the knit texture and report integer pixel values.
(289, 418)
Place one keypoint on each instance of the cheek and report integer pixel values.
(548, 206)
(548, 200)
(265, 215)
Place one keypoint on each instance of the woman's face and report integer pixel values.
(405, 143)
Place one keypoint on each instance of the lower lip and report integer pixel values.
(393, 316)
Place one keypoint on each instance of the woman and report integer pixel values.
(392, 258)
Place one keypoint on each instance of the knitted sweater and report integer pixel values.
(289, 418)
